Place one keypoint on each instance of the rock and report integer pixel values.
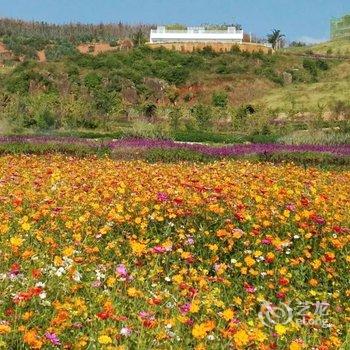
(129, 94)
(156, 86)
(287, 78)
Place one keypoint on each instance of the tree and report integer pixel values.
(276, 39)
(139, 38)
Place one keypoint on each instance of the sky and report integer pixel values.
(305, 20)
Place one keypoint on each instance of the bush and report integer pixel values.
(220, 99)
(145, 130)
(92, 80)
(202, 115)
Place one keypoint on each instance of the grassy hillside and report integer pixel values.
(318, 96)
(146, 92)
(331, 48)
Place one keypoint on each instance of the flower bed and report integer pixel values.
(103, 254)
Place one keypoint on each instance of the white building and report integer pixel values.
(196, 34)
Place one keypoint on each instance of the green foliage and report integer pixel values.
(48, 148)
(149, 110)
(220, 99)
(207, 137)
(202, 115)
(314, 66)
(141, 129)
(175, 118)
(60, 50)
(92, 80)
(174, 156)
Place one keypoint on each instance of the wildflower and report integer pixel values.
(16, 241)
(4, 328)
(199, 331)
(125, 331)
(104, 339)
(295, 346)
(52, 337)
(228, 314)
(241, 338)
(122, 271)
(280, 329)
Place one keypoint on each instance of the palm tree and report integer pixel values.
(275, 38)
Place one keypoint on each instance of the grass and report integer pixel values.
(333, 86)
(331, 48)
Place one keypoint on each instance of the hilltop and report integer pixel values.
(130, 87)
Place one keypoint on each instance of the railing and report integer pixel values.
(157, 31)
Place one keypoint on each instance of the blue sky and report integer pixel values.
(298, 19)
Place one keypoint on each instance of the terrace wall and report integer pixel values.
(217, 47)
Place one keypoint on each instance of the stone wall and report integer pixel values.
(217, 47)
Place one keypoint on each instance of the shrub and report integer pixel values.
(202, 115)
(175, 117)
(220, 99)
(92, 80)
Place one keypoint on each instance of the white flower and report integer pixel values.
(61, 271)
(42, 295)
(77, 276)
(210, 337)
(167, 279)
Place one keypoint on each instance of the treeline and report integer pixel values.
(74, 32)
(26, 38)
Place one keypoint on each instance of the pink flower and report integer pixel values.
(162, 197)
(291, 207)
(158, 249)
(122, 271)
(190, 241)
(249, 288)
(125, 331)
(185, 308)
(266, 241)
(52, 337)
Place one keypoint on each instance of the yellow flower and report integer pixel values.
(194, 308)
(199, 331)
(295, 346)
(137, 247)
(4, 328)
(280, 329)
(68, 251)
(228, 314)
(104, 339)
(249, 261)
(259, 336)
(26, 226)
(16, 241)
(241, 338)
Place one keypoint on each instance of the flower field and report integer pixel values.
(104, 254)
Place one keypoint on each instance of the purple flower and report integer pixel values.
(52, 337)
